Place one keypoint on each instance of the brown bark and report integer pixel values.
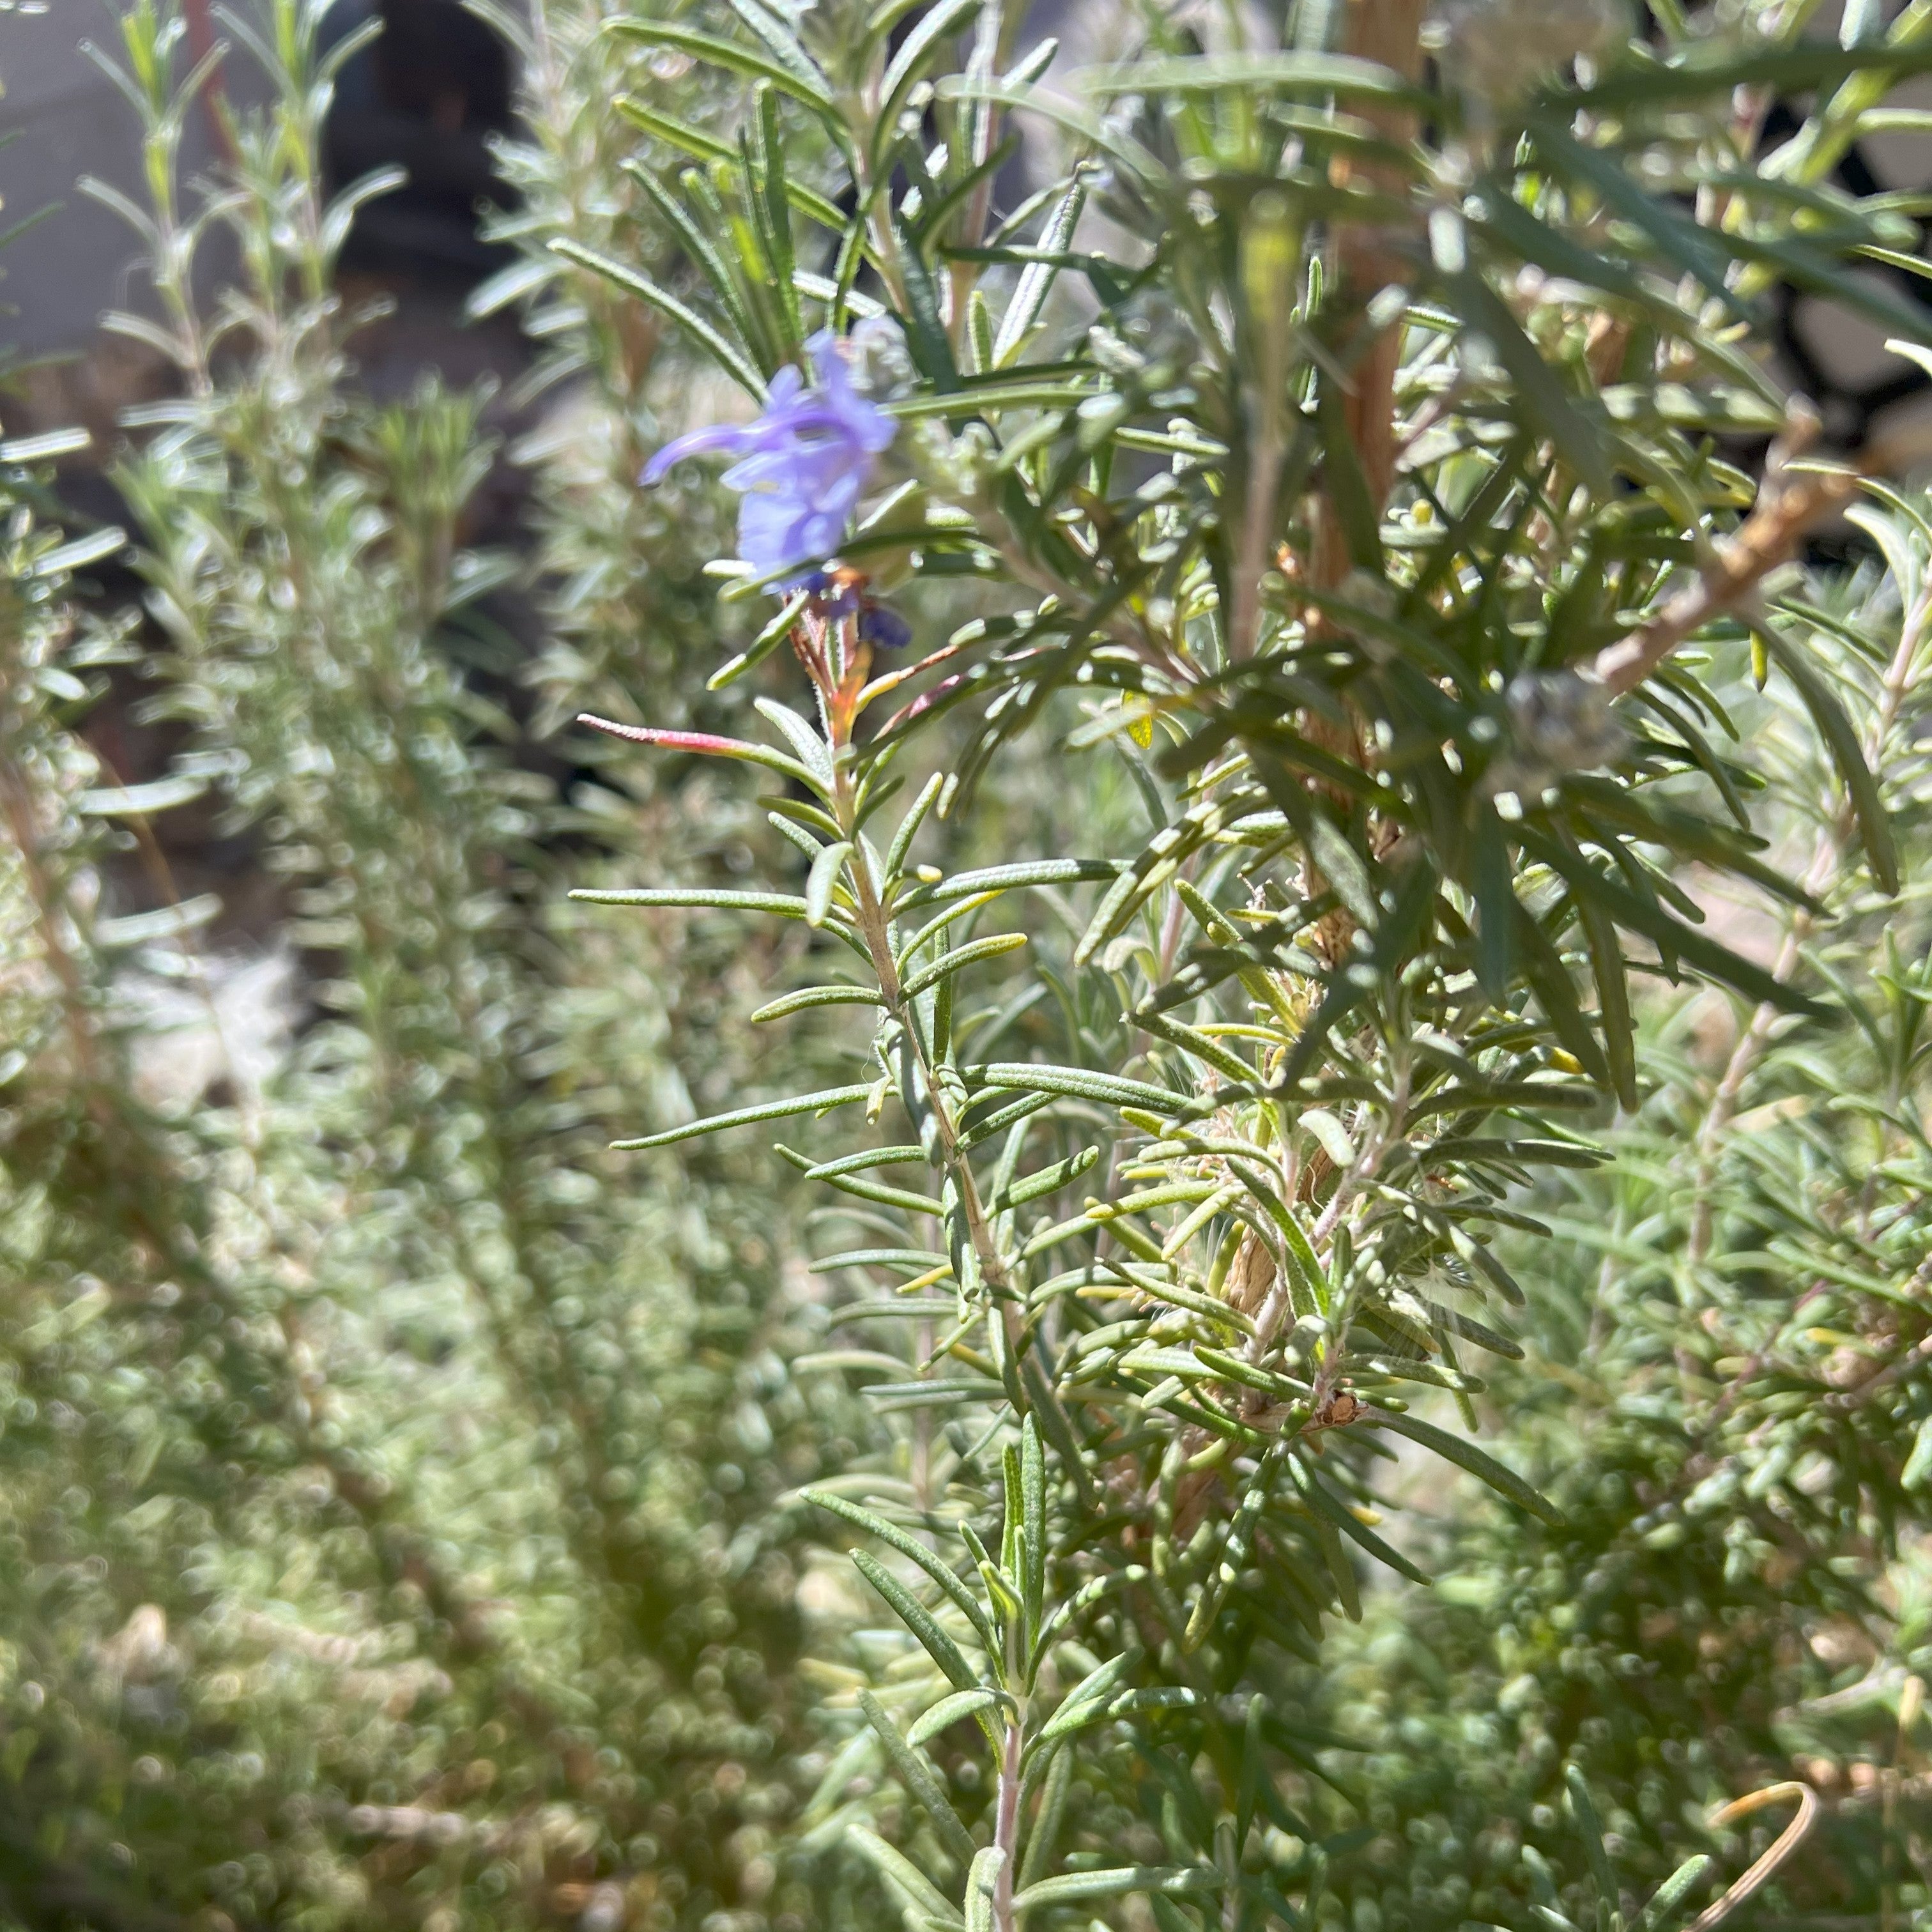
(1388, 32)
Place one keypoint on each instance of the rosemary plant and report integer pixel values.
(1328, 909)
(1728, 1403)
(392, 1492)
(1336, 441)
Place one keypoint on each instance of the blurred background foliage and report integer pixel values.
(398, 1489)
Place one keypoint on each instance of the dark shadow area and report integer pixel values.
(427, 97)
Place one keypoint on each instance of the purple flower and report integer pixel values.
(805, 462)
(838, 596)
(884, 630)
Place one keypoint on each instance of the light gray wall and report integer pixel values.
(61, 118)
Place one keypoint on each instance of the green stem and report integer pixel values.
(875, 928)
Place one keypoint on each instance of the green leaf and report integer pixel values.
(675, 134)
(1044, 1834)
(140, 801)
(786, 905)
(165, 922)
(897, 1156)
(1590, 1828)
(1044, 1180)
(1071, 1717)
(1343, 75)
(900, 1197)
(982, 1886)
(1661, 1913)
(1253, 1768)
(739, 59)
(1457, 1149)
(745, 1116)
(918, 1620)
(948, 1712)
(1032, 1493)
(1089, 1694)
(699, 246)
(1492, 887)
(1549, 977)
(1613, 1008)
(810, 747)
(910, 1547)
(1479, 1462)
(962, 957)
(1265, 1191)
(923, 1899)
(916, 1775)
(1172, 1881)
(962, 403)
(1006, 878)
(96, 547)
(703, 147)
(524, 277)
(958, 191)
(1630, 910)
(704, 744)
(1351, 1525)
(1107, 1089)
(1541, 391)
(1035, 283)
(1089, 128)
(641, 285)
(48, 445)
(902, 844)
(920, 1261)
(815, 996)
(825, 870)
(1342, 867)
(884, 16)
(1837, 729)
(1827, 275)
(1690, 249)
(764, 143)
(1918, 1464)
(1553, 252)
(1710, 72)
(1683, 834)
(770, 25)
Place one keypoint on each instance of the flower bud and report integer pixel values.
(1560, 722)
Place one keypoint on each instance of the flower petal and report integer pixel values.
(802, 465)
(858, 416)
(699, 442)
(884, 629)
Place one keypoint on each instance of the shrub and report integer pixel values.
(1335, 443)
(1367, 1326)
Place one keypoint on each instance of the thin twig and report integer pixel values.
(1007, 1826)
(1760, 1874)
(1791, 506)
